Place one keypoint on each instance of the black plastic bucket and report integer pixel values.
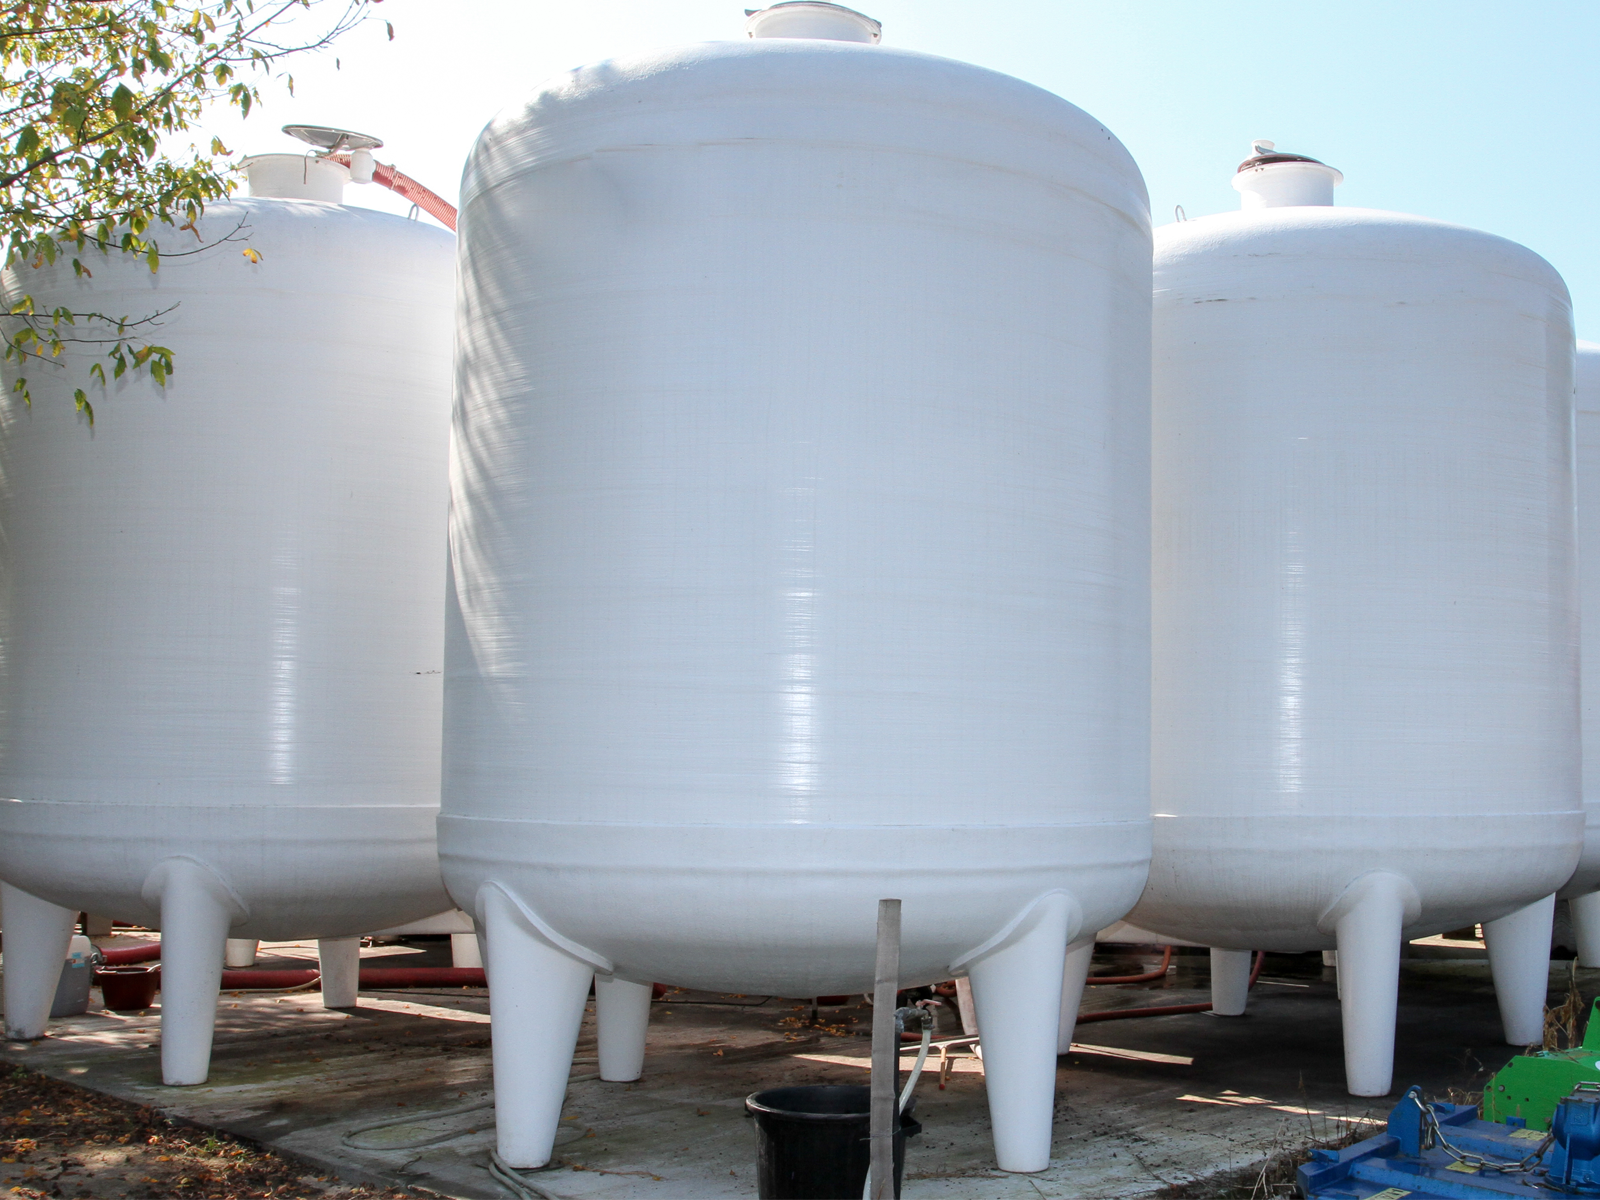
(812, 1142)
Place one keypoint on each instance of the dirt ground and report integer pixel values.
(57, 1140)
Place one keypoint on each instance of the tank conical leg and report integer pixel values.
(1073, 973)
(1519, 960)
(1230, 981)
(1368, 932)
(240, 952)
(1016, 989)
(37, 936)
(1586, 928)
(965, 1009)
(622, 1019)
(536, 1000)
(339, 960)
(196, 912)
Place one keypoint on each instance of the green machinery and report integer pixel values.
(1531, 1085)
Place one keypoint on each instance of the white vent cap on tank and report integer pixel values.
(1270, 179)
(812, 19)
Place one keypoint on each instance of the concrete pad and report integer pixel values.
(1143, 1104)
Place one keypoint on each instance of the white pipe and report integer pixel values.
(622, 1021)
(1230, 981)
(1519, 960)
(37, 936)
(339, 960)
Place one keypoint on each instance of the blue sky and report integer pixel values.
(1480, 113)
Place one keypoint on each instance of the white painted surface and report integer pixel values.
(298, 177)
(1365, 640)
(800, 519)
(832, 585)
(1586, 878)
(1519, 959)
(1365, 619)
(221, 604)
(1286, 184)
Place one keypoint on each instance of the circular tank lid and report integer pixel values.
(812, 19)
(1264, 153)
(332, 140)
(1271, 178)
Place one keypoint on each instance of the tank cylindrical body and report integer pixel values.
(1365, 635)
(800, 541)
(221, 603)
(1365, 614)
(1586, 878)
(799, 513)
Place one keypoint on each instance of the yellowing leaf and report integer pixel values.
(252, 254)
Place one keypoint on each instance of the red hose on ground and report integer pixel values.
(123, 956)
(372, 978)
(1166, 1010)
(1148, 977)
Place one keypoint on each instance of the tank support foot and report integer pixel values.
(1367, 921)
(1073, 973)
(240, 952)
(1016, 989)
(1519, 960)
(622, 1019)
(965, 1009)
(339, 961)
(197, 909)
(464, 950)
(1586, 928)
(37, 936)
(537, 995)
(1230, 981)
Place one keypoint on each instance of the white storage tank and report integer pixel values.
(1582, 891)
(800, 544)
(1365, 625)
(221, 606)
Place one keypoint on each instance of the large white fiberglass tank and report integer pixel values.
(221, 606)
(1365, 636)
(1582, 891)
(799, 538)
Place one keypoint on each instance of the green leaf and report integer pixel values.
(122, 102)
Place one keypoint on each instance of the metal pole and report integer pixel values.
(885, 1051)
